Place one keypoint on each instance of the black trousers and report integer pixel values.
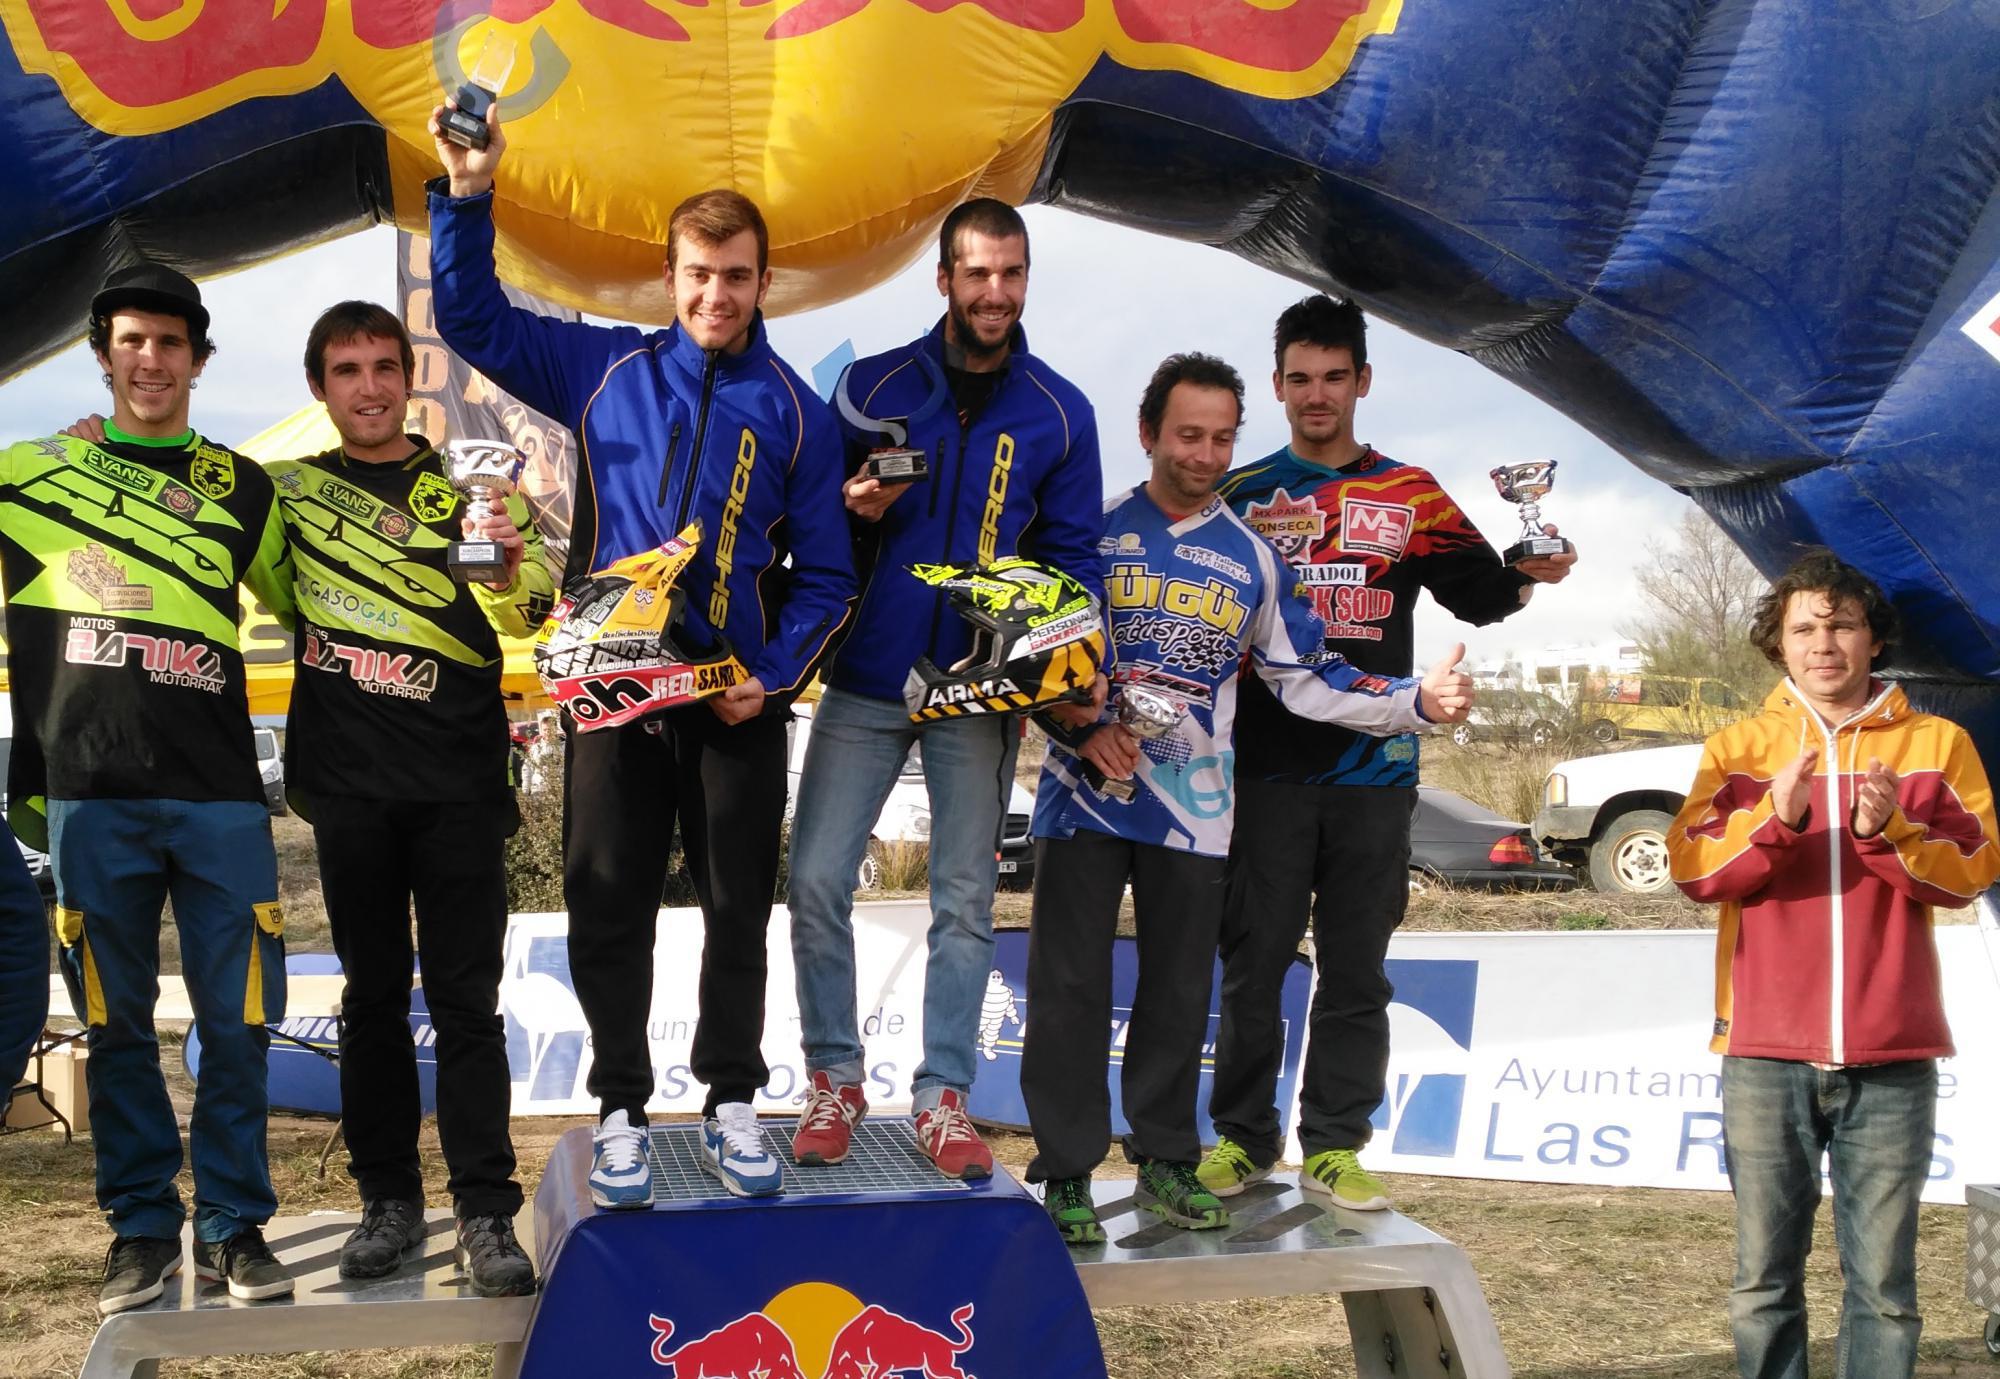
(1341, 855)
(1177, 897)
(377, 857)
(624, 789)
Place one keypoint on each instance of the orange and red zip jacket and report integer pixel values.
(1824, 951)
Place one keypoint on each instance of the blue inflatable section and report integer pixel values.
(1754, 245)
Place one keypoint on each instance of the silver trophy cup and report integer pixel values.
(1148, 715)
(487, 473)
(1525, 485)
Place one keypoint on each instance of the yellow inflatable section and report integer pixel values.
(854, 124)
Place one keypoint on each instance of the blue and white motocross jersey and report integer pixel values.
(1189, 600)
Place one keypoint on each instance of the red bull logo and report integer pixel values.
(598, 83)
(818, 1331)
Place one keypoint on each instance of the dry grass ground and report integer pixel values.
(1609, 1284)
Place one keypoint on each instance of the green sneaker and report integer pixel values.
(1173, 1191)
(1228, 1169)
(1068, 1203)
(1338, 1173)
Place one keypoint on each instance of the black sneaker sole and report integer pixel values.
(125, 1302)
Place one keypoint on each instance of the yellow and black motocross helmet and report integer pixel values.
(611, 650)
(1037, 639)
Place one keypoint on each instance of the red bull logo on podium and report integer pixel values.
(818, 1331)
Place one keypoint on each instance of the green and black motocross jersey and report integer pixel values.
(397, 691)
(121, 562)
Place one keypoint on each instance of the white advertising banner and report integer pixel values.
(548, 1043)
(1583, 1058)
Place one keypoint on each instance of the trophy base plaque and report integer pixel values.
(477, 562)
(900, 466)
(466, 126)
(1534, 548)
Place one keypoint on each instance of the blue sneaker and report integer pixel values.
(732, 1148)
(621, 1178)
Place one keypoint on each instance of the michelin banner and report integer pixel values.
(1583, 1058)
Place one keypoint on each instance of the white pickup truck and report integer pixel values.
(1608, 815)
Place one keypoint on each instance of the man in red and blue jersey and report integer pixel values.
(1323, 811)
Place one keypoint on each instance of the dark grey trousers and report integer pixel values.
(1079, 882)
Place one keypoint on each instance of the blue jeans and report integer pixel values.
(1876, 1125)
(852, 760)
(116, 862)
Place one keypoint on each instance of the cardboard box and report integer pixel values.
(62, 1073)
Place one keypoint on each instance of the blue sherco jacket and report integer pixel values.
(669, 434)
(1022, 479)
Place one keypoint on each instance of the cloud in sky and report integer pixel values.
(1105, 304)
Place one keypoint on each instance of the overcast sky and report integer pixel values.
(1105, 304)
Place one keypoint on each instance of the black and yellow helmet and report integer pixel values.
(1037, 639)
(611, 650)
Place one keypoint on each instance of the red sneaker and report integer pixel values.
(950, 1142)
(826, 1125)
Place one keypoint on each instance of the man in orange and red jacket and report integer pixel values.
(1827, 828)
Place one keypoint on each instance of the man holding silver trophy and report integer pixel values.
(708, 527)
(1144, 797)
(409, 559)
(1323, 812)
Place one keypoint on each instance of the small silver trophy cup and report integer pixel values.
(894, 461)
(1524, 485)
(1148, 715)
(487, 473)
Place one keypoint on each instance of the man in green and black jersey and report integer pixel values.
(397, 755)
(134, 767)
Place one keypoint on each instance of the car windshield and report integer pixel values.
(267, 744)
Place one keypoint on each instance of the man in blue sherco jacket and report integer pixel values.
(699, 422)
(1011, 450)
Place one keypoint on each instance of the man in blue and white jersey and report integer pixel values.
(1194, 596)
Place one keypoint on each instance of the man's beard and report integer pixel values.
(968, 337)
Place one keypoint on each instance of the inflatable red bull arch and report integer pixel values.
(1754, 245)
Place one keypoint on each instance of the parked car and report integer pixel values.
(906, 814)
(1608, 815)
(1671, 706)
(1460, 841)
(271, 769)
(1510, 715)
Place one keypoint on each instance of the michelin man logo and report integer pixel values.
(996, 1010)
(546, 1031)
(1430, 1052)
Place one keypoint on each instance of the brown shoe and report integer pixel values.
(949, 1141)
(826, 1125)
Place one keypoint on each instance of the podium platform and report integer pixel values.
(1414, 1306)
(426, 1302)
(878, 1266)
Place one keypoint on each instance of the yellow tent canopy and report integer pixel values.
(267, 647)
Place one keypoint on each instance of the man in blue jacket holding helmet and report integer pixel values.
(699, 423)
(1011, 453)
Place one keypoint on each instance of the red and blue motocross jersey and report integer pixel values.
(1363, 539)
(1197, 604)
